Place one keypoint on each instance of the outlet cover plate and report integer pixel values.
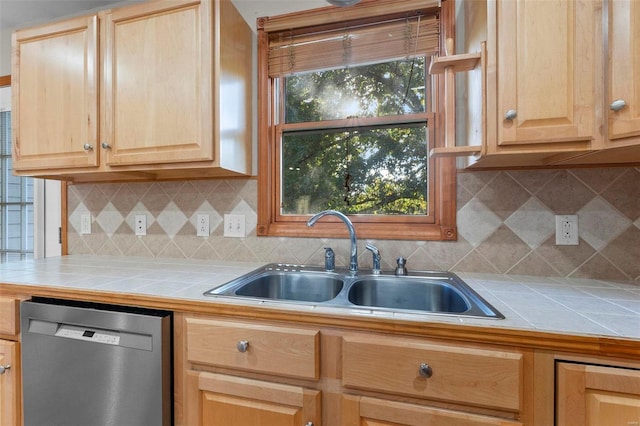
(567, 230)
(140, 224)
(202, 225)
(234, 225)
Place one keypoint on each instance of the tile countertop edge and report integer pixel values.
(550, 311)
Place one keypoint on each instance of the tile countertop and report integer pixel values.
(559, 305)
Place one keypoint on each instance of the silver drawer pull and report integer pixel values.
(88, 147)
(105, 145)
(618, 104)
(4, 368)
(243, 345)
(425, 370)
(511, 114)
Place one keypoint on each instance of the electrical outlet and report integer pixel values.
(234, 225)
(567, 230)
(85, 224)
(202, 225)
(141, 224)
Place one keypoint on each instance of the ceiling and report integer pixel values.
(21, 13)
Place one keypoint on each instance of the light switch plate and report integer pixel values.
(85, 224)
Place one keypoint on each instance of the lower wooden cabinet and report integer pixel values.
(9, 383)
(10, 380)
(365, 411)
(243, 372)
(223, 400)
(592, 395)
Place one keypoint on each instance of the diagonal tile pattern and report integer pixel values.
(506, 224)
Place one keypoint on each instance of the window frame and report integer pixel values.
(440, 224)
(27, 226)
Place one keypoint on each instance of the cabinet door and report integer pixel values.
(54, 89)
(221, 400)
(365, 411)
(589, 395)
(157, 83)
(624, 68)
(547, 59)
(9, 390)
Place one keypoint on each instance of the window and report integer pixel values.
(16, 195)
(347, 118)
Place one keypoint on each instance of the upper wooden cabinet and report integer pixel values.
(551, 73)
(157, 81)
(55, 95)
(174, 94)
(545, 61)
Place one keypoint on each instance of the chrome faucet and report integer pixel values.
(353, 263)
(376, 258)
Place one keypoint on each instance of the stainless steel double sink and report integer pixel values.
(433, 292)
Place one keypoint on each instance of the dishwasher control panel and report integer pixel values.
(89, 335)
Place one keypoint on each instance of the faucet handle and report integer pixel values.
(376, 258)
(401, 269)
(329, 259)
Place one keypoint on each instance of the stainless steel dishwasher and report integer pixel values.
(89, 364)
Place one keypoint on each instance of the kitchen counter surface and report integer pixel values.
(582, 307)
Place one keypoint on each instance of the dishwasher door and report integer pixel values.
(90, 364)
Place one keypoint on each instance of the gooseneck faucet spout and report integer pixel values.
(353, 263)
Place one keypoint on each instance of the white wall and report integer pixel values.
(5, 52)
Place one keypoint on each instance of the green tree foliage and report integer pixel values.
(365, 169)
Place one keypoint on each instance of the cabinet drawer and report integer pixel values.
(285, 351)
(482, 377)
(8, 315)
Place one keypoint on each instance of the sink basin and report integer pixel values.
(431, 292)
(288, 285)
(408, 293)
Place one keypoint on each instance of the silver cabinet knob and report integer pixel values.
(88, 147)
(617, 105)
(4, 368)
(308, 424)
(105, 145)
(243, 345)
(511, 114)
(425, 370)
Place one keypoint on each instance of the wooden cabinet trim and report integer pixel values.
(587, 345)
